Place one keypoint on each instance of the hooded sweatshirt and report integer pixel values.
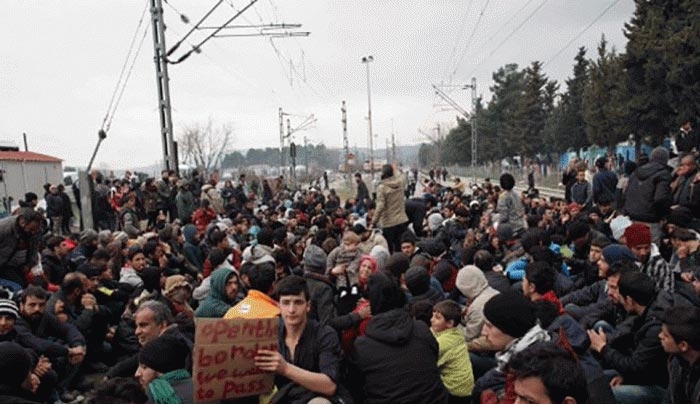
(472, 283)
(398, 358)
(191, 250)
(390, 202)
(216, 304)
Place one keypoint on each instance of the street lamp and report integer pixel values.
(366, 60)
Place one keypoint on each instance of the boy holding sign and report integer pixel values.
(307, 360)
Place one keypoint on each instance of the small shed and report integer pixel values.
(25, 171)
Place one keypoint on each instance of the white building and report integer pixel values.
(28, 172)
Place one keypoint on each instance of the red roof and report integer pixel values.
(27, 156)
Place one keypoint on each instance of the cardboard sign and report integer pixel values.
(223, 357)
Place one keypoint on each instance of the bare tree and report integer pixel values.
(205, 145)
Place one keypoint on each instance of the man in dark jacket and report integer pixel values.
(637, 357)
(16, 378)
(54, 210)
(604, 183)
(306, 362)
(686, 191)
(680, 337)
(321, 289)
(362, 192)
(396, 359)
(18, 246)
(648, 196)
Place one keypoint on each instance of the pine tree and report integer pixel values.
(604, 99)
(531, 113)
(495, 123)
(571, 131)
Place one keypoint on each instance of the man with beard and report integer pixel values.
(60, 342)
(18, 247)
(76, 304)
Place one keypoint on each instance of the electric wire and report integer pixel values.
(528, 18)
(194, 28)
(112, 107)
(126, 79)
(471, 37)
(556, 55)
(462, 27)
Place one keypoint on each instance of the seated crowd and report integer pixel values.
(462, 295)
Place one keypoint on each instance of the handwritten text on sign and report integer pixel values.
(223, 357)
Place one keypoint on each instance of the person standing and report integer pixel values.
(648, 196)
(390, 213)
(54, 210)
(604, 183)
(362, 193)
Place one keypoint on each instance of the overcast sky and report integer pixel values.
(60, 61)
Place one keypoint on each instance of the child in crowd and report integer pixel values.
(453, 358)
(343, 262)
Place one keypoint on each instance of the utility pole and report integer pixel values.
(366, 60)
(306, 156)
(281, 116)
(393, 143)
(474, 125)
(163, 80)
(346, 146)
(291, 152)
(471, 118)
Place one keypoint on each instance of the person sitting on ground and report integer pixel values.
(510, 327)
(453, 358)
(17, 382)
(258, 303)
(546, 373)
(396, 360)
(120, 390)
(637, 356)
(306, 362)
(165, 378)
(680, 338)
(225, 285)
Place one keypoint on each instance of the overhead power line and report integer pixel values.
(508, 36)
(198, 46)
(194, 28)
(565, 47)
(122, 80)
(462, 27)
(471, 37)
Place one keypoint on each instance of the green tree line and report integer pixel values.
(647, 91)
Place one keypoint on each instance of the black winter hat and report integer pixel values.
(164, 354)
(15, 364)
(578, 229)
(396, 264)
(511, 313)
(417, 280)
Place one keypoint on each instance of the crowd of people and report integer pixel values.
(468, 293)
